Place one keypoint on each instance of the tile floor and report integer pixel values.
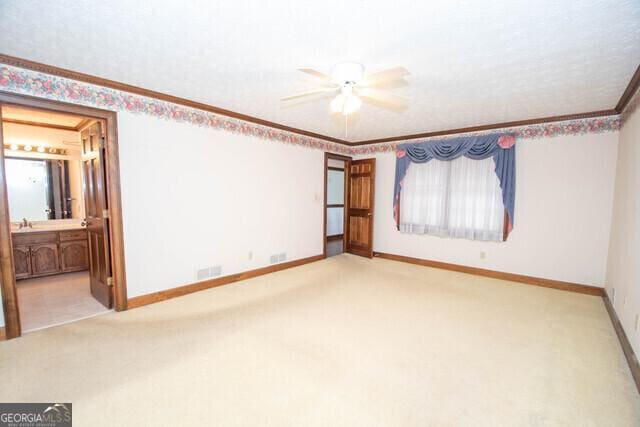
(53, 300)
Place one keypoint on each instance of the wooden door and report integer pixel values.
(360, 207)
(21, 261)
(44, 259)
(97, 213)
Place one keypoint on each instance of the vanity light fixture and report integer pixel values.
(39, 149)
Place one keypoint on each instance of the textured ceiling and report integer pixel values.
(471, 62)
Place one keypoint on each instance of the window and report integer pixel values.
(460, 198)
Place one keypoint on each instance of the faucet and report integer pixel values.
(25, 224)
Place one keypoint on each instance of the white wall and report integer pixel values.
(194, 197)
(564, 194)
(623, 272)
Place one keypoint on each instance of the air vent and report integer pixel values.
(203, 273)
(215, 271)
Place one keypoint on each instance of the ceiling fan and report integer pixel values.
(352, 86)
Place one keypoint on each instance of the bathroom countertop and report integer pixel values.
(47, 229)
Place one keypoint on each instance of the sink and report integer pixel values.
(27, 229)
(37, 227)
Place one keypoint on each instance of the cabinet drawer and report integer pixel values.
(73, 235)
(30, 238)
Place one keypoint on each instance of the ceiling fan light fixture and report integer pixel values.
(345, 104)
(337, 103)
(351, 105)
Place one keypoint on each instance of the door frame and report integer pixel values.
(116, 234)
(347, 169)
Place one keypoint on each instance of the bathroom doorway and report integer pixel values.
(336, 191)
(59, 213)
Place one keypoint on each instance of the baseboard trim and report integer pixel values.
(212, 283)
(3, 334)
(529, 280)
(629, 354)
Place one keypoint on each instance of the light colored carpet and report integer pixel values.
(342, 342)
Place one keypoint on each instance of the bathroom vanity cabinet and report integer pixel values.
(43, 253)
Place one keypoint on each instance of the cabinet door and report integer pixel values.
(74, 256)
(44, 259)
(22, 261)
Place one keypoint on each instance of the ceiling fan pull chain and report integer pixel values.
(346, 126)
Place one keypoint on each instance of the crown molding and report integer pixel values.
(99, 81)
(630, 90)
(550, 119)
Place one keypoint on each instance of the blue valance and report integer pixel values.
(499, 146)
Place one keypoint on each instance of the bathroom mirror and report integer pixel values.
(43, 189)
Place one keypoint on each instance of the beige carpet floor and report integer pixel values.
(342, 342)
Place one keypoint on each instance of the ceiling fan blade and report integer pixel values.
(316, 73)
(383, 97)
(389, 74)
(309, 93)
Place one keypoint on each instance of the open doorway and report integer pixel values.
(349, 190)
(336, 190)
(64, 238)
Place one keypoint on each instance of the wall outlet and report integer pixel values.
(273, 259)
(624, 302)
(613, 296)
(250, 255)
(282, 257)
(637, 321)
(483, 254)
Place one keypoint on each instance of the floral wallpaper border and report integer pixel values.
(28, 82)
(543, 130)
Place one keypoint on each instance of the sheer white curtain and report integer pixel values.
(459, 198)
